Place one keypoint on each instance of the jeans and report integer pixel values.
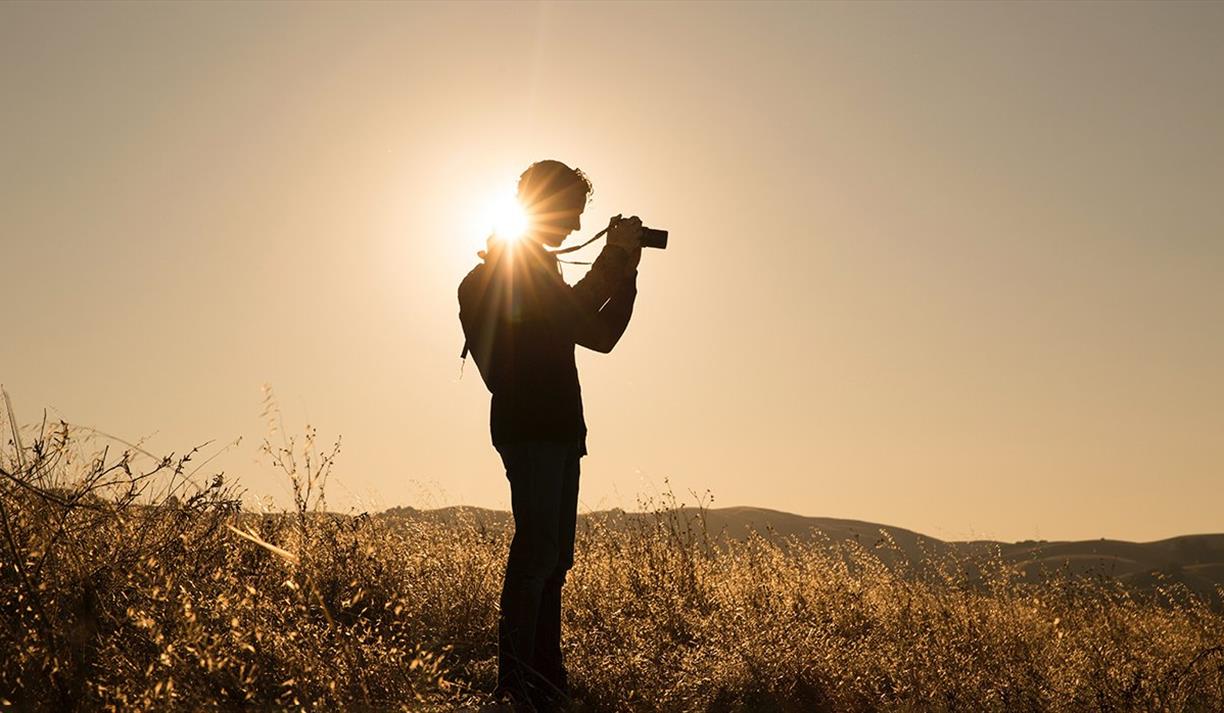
(544, 499)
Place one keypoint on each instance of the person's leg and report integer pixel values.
(535, 471)
(547, 656)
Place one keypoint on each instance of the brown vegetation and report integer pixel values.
(129, 588)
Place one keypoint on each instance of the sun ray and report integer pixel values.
(507, 219)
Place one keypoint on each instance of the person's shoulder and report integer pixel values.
(477, 273)
(475, 282)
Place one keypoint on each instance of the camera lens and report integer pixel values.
(654, 238)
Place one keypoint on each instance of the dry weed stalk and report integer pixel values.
(120, 590)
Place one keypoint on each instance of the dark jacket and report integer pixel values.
(522, 320)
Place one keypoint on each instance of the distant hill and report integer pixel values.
(1197, 561)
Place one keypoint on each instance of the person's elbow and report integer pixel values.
(603, 346)
(601, 341)
(602, 333)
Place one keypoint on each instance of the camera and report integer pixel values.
(651, 237)
(654, 238)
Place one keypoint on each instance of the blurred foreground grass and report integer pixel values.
(126, 587)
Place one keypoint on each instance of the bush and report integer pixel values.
(129, 588)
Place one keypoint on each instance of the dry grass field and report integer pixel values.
(129, 583)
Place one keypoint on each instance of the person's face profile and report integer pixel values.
(554, 218)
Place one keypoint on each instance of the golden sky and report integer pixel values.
(957, 268)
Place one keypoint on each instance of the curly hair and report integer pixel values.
(544, 179)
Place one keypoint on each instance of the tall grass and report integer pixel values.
(124, 587)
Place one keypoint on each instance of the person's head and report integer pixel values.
(553, 196)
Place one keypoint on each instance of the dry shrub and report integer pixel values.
(659, 620)
(125, 584)
(130, 588)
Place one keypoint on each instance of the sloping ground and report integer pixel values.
(1196, 561)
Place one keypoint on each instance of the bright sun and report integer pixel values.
(506, 218)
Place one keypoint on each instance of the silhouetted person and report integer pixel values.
(521, 321)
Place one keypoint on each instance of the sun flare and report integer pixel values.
(506, 218)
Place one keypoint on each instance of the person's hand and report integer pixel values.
(626, 234)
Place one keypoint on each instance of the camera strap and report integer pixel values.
(597, 236)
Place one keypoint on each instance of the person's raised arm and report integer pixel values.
(603, 331)
(618, 257)
(611, 280)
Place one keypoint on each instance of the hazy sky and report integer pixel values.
(957, 268)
